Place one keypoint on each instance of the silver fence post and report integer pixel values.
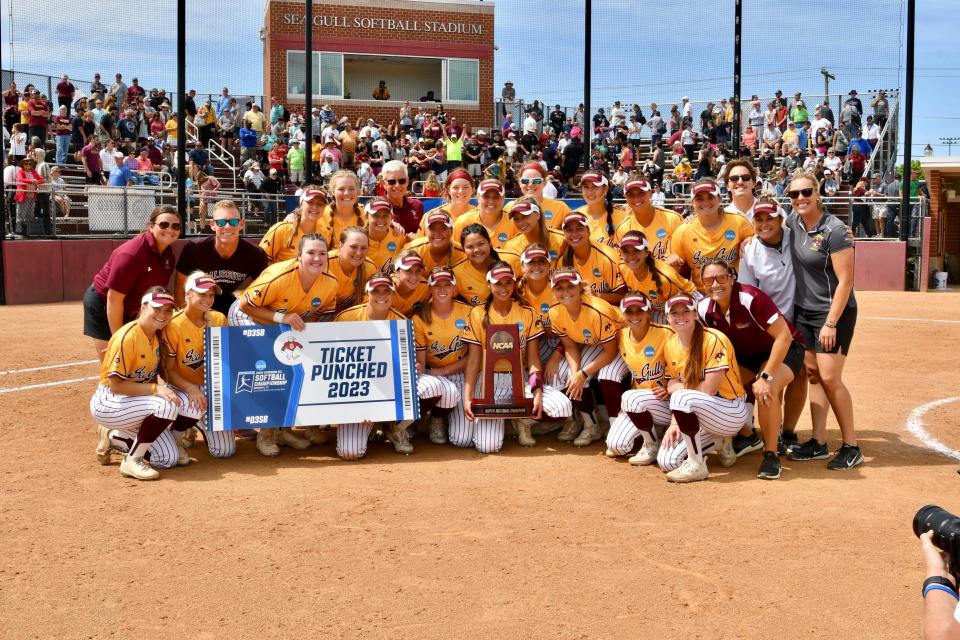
(126, 213)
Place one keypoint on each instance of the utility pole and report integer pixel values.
(827, 77)
(949, 142)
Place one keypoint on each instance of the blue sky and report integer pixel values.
(642, 51)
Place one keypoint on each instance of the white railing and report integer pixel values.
(877, 154)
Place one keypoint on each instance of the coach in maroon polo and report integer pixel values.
(406, 211)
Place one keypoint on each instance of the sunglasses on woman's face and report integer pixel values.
(222, 222)
(806, 193)
(723, 278)
(168, 225)
(395, 181)
(531, 180)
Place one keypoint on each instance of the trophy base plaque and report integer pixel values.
(503, 344)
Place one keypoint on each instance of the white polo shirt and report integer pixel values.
(770, 269)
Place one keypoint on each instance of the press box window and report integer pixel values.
(327, 74)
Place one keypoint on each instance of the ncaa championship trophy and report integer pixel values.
(503, 344)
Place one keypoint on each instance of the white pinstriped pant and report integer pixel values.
(719, 418)
(623, 433)
(547, 347)
(352, 438)
(616, 370)
(123, 415)
(486, 434)
(221, 444)
(237, 318)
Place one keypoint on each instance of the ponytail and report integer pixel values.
(693, 370)
(360, 279)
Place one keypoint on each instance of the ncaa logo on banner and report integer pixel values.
(288, 349)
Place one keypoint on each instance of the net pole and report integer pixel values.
(308, 84)
(587, 46)
(907, 124)
(737, 50)
(181, 115)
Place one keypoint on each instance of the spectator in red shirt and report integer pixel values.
(39, 113)
(90, 157)
(135, 93)
(134, 267)
(65, 92)
(63, 129)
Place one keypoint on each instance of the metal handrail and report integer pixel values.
(867, 169)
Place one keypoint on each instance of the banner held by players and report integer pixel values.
(330, 373)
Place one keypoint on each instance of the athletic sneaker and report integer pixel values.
(590, 434)
(610, 453)
(438, 431)
(316, 435)
(400, 440)
(646, 455)
(809, 450)
(785, 441)
(288, 438)
(104, 446)
(847, 457)
(742, 445)
(689, 471)
(570, 431)
(726, 453)
(183, 458)
(137, 468)
(769, 466)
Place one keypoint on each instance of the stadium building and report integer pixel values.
(420, 48)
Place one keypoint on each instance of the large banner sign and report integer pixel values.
(330, 373)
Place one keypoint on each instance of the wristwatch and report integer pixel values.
(766, 377)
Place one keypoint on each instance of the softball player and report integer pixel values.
(657, 280)
(441, 356)
(706, 395)
(489, 213)
(437, 248)
(471, 273)
(587, 327)
(768, 351)
(503, 307)
(655, 223)
(532, 226)
(351, 267)
(280, 242)
(645, 408)
(457, 193)
(292, 292)
(352, 437)
(712, 234)
(184, 363)
(535, 291)
(533, 179)
(410, 286)
(596, 263)
(386, 238)
(602, 216)
(132, 408)
(345, 210)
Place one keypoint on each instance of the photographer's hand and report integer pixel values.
(936, 561)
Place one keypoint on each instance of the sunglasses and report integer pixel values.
(806, 193)
(222, 222)
(531, 180)
(723, 278)
(168, 225)
(395, 181)
(740, 178)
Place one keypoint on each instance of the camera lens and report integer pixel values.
(945, 526)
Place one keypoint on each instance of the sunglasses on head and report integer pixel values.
(531, 180)
(745, 177)
(168, 225)
(796, 193)
(395, 181)
(222, 222)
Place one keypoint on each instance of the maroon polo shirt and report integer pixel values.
(408, 214)
(132, 268)
(746, 322)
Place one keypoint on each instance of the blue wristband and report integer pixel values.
(940, 587)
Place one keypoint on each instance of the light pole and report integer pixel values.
(949, 142)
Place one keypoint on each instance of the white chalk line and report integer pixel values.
(49, 366)
(46, 384)
(915, 426)
(936, 320)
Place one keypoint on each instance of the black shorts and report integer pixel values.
(95, 177)
(793, 359)
(95, 323)
(809, 323)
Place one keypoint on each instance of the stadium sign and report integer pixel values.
(385, 24)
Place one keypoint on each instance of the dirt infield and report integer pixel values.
(552, 542)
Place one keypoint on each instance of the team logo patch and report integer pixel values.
(391, 246)
(544, 308)
(729, 234)
(661, 233)
(260, 365)
(288, 349)
(315, 302)
(520, 326)
(652, 294)
(596, 272)
(553, 255)
(649, 352)
(587, 335)
(460, 323)
(502, 237)
(548, 215)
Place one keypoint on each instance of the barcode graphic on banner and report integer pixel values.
(216, 380)
(406, 379)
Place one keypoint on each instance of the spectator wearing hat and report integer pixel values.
(855, 101)
(381, 92)
(296, 157)
(881, 109)
(687, 109)
(872, 132)
(799, 114)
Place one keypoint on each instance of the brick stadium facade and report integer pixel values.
(436, 34)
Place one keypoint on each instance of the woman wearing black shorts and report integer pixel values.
(825, 314)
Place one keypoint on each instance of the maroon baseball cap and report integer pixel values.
(680, 300)
(768, 208)
(635, 300)
(497, 274)
(377, 205)
(532, 253)
(490, 185)
(634, 239)
(441, 274)
(439, 216)
(565, 276)
(643, 185)
(407, 262)
(574, 216)
(524, 209)
(705, 187)
(158, 299)
(380, 280)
